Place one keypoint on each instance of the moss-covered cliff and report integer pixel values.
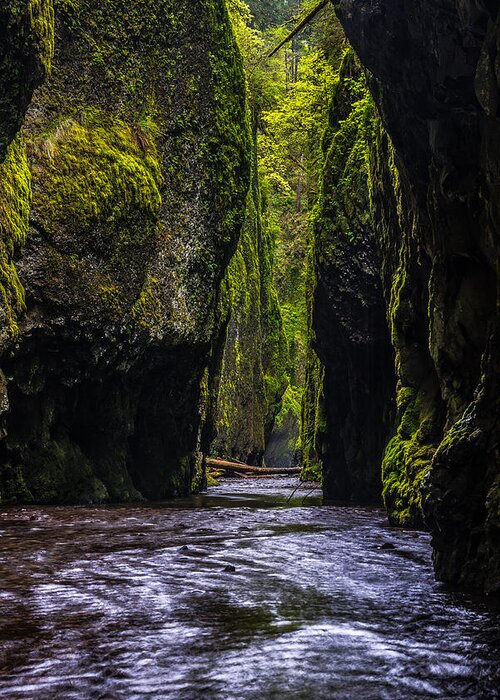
(252, 378)
(348, 311)
(121, 202)
(137, 149)
(434, 192)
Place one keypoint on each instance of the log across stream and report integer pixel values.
(233, 468)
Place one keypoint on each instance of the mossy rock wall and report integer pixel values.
(435, 78)
(133, 169)
(314, 432)
(347, 405)
(252, 376)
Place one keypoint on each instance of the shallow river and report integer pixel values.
(142, 602)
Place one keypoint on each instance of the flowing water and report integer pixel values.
(142, 602)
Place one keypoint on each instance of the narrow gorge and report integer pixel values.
(264, 232)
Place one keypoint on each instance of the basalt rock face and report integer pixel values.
(436, 188)
(349, 314)
(129, 179)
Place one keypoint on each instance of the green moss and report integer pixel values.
(313, 423)
(199, 478)
(342, 214)
(290, 404)
(408, 456)
(147, 310)
(15, 200)
(110, 296)
(13, 486)
(27, 49)
(343, 207)
(41, 16)
(213, 478)
(139, 149)
(312, 472)
(395, 306)
(460, 432)
(59, 470)
(96, 194)
(92, 168)
(493, 503)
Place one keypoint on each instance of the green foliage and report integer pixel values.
(15, 201)
(289, 97)
(290, 158)
(252, 378)
(269, 13)
(290, 146)
(265, 77)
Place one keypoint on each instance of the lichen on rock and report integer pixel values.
(15, 201)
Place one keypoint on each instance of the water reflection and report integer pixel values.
(239, 593)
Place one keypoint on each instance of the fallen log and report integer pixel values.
(245, 469)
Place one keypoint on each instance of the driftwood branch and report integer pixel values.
(310, 16)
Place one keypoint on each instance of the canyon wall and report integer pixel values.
(348, 310)
(252, 376)
(26, 50)
(125, 165)
(121, 203)
(434, 195)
